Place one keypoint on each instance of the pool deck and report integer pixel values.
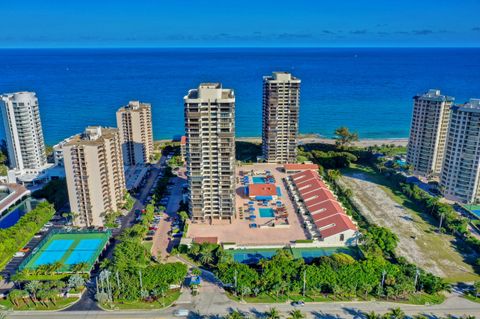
(239, 232)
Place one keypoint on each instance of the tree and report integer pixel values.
(296, 314)
(15, 295)
(196, 271)
(235, 314)
(32, 287)
(372, 315)
(76, 282)
(183, 216)
(395, 313)
(476, 288)
(101, 297)
(344, 137)
(273, 313)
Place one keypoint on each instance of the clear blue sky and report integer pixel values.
(233, 23)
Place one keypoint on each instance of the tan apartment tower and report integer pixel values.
(281, 101)
(135, 124)
(428, 132)
(461, 166)
(210, 152)
(94, 171)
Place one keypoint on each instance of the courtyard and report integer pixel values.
(264, 213)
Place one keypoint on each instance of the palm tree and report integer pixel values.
(32, 287)
(296, 314)
(80, 267)
(15, 295)
(42, 296)
(206, 257)
(273, 313)
(420, 317)
(395, 313)
(235, 314)
(372, 315)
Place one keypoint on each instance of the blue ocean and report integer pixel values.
(368, 90)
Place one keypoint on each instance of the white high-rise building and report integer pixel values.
(23, 131)
(426, 145)
(210, 151)
(461, 167)
(281, 101)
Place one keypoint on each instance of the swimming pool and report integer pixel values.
(266, 212)
(309, 254)
(253, 256)
(258, 180)
(247, 256)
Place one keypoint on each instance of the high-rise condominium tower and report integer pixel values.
(426, 145)
(210, 151)
(135, 124)
(461, 166)
(281, 101)
(94, 170)
(23, 131)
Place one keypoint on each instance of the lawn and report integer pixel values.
(419, 242)
(169, 299)
(148, 245)
(61, 303)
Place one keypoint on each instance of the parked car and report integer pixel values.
(152, 228)
(298, 303)
(181, 313)
(19, 254)
(151, 232)
(48, 224)
(149, 238)
(25, 250)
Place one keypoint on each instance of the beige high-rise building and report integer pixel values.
(95, 177)
(461, 166)
(210, 151)
(428, 132)
(281, 101)
(135, 124)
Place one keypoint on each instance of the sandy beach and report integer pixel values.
(306, 139)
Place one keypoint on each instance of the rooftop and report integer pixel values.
(210, 91)
(435, 95)
(93, 135)
(300, 167)
(262, 190)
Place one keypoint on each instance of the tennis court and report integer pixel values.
(68, 249)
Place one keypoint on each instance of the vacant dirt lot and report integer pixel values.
(419, 242)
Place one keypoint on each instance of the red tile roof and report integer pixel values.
(318, 195)
(300, 167)
(304, 176)
(262, 190)
(325, 208)
(327, 213)
(183, 140)
(334, 225)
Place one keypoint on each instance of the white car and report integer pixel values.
(19, 254)
(181, 313)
